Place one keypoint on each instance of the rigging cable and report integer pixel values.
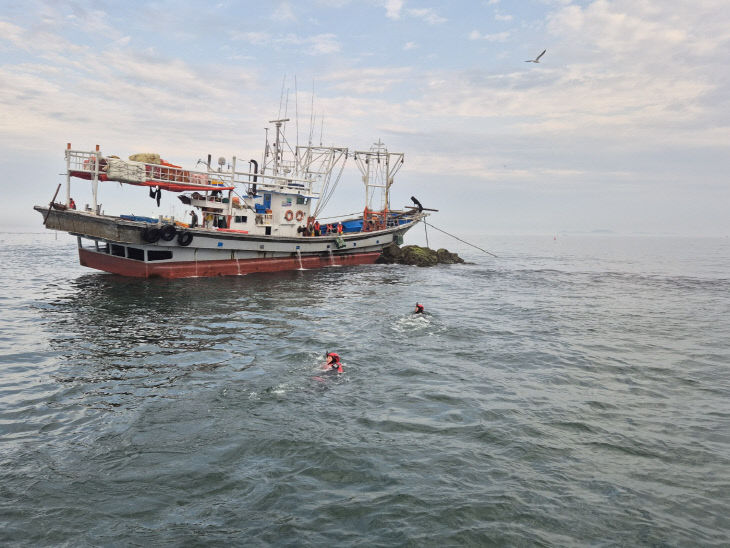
(339, 216)
(327, 192)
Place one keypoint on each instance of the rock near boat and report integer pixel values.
(417, 255)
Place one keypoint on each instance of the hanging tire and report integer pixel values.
(151, 234)
(168, 232)
(184, 238)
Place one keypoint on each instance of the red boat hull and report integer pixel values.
(141, 269)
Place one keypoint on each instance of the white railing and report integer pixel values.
(129, 171)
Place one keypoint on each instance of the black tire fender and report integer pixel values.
(185, 238)
(151, 234)
(168, 232)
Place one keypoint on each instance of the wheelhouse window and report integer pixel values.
(118, 250)
(241, 218)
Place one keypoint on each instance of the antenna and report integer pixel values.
(281, 98)
(296, 108)
(311, 116)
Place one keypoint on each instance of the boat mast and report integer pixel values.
(378, 168)
(277, 145)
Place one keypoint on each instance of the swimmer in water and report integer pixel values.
(419, 309)
(333, 363)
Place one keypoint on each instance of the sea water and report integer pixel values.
(570, 392)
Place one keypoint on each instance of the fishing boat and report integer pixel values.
(261, 219)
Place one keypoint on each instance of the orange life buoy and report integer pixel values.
(300, 215)
(289, 215)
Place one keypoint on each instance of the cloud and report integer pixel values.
(319, 44)
(333, 3)
(639, 31)
(124, 41)
(410, 46)
(283, 12)
(428, 15)
(323, 43)
(79, 93)
(13, 34)
(393, 8)
(255, 38)
(502, 16)
(570, 100)
(367, 80)
(497, 37)
(661, 63)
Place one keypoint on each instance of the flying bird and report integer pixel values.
(536, 59)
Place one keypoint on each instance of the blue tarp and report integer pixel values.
(352, 226)
(139, 219)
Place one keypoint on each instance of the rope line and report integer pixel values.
(457, 238)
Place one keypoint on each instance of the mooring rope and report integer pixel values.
(457, 238)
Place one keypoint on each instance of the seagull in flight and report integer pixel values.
(536, 59)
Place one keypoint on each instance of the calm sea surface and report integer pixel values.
(571, 392)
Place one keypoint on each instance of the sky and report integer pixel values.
(623, 126)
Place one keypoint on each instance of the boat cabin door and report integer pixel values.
(267, 201)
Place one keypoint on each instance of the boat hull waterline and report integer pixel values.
(194, 269)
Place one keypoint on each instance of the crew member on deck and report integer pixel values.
(419, 309)
(333, 363)
(339, 227)
(71, 203)
(317, 229)
(194, 220)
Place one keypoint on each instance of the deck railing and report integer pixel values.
(86, 164)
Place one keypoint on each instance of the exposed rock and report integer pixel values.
(390, 255)
(446, 257)
(418, 256)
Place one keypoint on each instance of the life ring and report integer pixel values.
(151, 234)
(184, 238)
(168, 232)
(289, 215)
(300, 215)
